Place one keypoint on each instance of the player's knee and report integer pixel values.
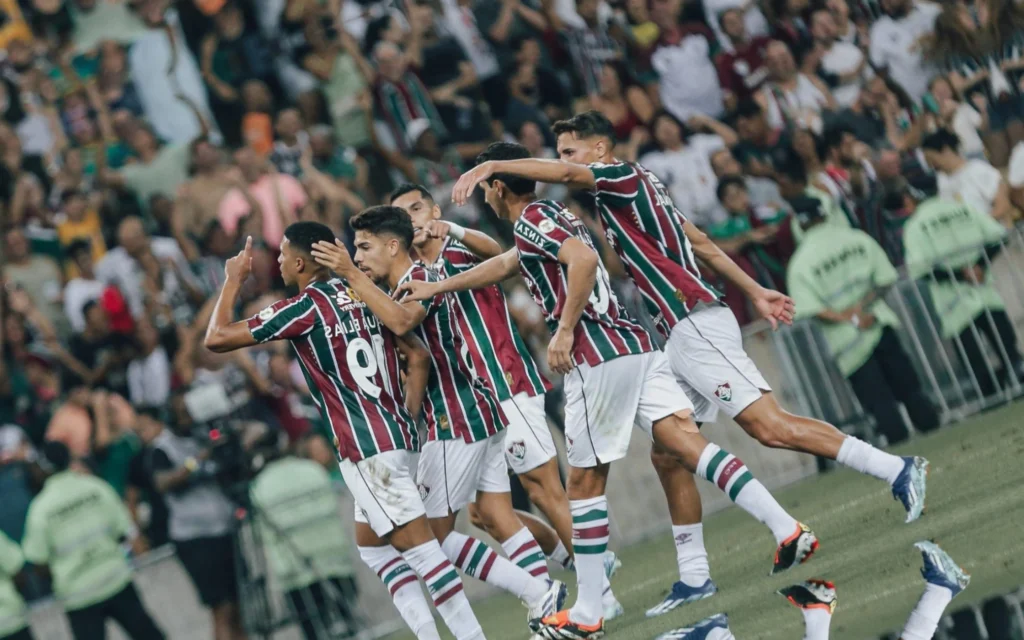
(664, 463)
(479, 518)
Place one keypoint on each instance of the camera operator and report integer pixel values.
(308, 549)
(200, 514)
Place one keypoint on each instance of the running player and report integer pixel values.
(351, 365)
(463, 460)
(659, 248)
(614, 377)
(500, 357)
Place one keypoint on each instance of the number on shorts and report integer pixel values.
(364, 364)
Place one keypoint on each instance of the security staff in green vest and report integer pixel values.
(839, 276)
(13, 622)
(76, 526)
(308, 548)
(951, 246)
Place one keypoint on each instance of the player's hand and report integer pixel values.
(560, 352)
(469, 180)
(237, 269)
(415, 290)
(775, 307)
(437, 229)
(334, 256)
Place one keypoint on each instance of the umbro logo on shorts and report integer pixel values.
(724, 392)
(518, 450)
(424, 491)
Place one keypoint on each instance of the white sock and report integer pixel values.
(691, 555)
(721, 634)
(403, 584)
(589, 543)
(561, 557)
(481, 562)
(861, 456)
(445, 587)
(816, 623)
(924, 619)
(729, 474)
(524, 551)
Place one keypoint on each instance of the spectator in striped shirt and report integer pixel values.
(590, 46)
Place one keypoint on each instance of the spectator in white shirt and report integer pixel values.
(85, 288)
(897, 40)
(791, 98)
(974, 182)
(950, 111)
(689, 82)
(149, 374)
(842, 65)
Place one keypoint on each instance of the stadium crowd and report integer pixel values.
(143, 140)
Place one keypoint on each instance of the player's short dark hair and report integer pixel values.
(729, 181)
(940, 140)
(385, 220)
(303, 235)
(588, 124)
(409, 187)
(508, 151)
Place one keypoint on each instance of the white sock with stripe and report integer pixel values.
(861, 456)
(481, 562)
(523, 550)
(691, 555)
(589, 542)
(404, 586)
(816, 623)
(445, 587)
(730, 475)
(924, 619)
(561, 557)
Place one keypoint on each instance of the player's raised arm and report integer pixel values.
(417, 373)
(222, 333)
(482, 245)
(488, 272)
(399, 317)
(551, 171)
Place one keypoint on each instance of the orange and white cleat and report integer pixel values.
(560, 627)
(795, 549)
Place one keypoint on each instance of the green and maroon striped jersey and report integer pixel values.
(604, 331)
(350, 361)
(646, 230)
(458, 403)
(499, 354)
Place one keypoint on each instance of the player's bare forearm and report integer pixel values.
(497, 269)
(712, 255)
(222, 333)
(577, 176)
(399, 317)
(581, 275)
(482, 245)
(417, 373)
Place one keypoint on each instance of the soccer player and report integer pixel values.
(614, 377)
(351, 364)
(463, 460)
(660, 249)
(500, 357)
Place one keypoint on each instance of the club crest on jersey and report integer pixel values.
(547, 226)
(424, 491)
(266, 314)
(568, 443)
(724, 392)
(518, 450)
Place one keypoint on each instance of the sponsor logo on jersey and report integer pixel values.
(724, 392)
(424, 491)
(508, 378)
(518, 450)
(442, 422)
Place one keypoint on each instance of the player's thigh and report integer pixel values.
(705, 352)
(450, 472)
(383, 488)
(660, 395)
(528, 441)
(600, 407)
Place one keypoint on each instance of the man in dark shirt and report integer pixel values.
(742, 71)
(758, 141)
(103, 354)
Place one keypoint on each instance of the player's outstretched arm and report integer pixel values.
(488, 272)
(581, 275)
(222, 333)
(417, 372)
(482, 245)
(576, 176)
(774, 306)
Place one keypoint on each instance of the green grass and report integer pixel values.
(975, 510)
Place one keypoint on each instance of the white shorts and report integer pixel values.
(528, 442)
(603, 403)
(451, 473)
(384, 490)
(706, 353)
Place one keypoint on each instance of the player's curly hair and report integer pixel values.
(385, 219)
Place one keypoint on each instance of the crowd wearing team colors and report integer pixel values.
(820, 145)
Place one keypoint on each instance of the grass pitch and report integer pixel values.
(975, 510)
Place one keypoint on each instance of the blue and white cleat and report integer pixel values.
(700, 631)
(681, 594)
(611, 564)
(551, 603)
(940, 569)
(910, 486)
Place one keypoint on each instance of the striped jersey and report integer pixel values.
(499, 354)
(458, 403)
(646, 230)
(604, 331)
(350, 361)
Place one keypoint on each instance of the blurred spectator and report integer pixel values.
(334, 59)
(149, 372)
(763, 192)
(876, 117)
(896, 43)
(857, 180)
(758, 141)
(789, 25)
(946, 105)
(749, 15)
(973, 182)
(531, 137)
(846, 29)
(504, 24)
(685, 46)
(621, 99)
(160, 169)
(795, 184)
(741, 66)
(842, 64)
(13, 618)
(590, 44)
(790, 98)
(281, 199)
(39, 276)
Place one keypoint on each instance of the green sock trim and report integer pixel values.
(737, 486)
(590, 516)
(717, 460)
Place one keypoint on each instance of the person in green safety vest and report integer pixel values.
(77, 526)
(950, 245)
(13, 621)
(839, 276)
